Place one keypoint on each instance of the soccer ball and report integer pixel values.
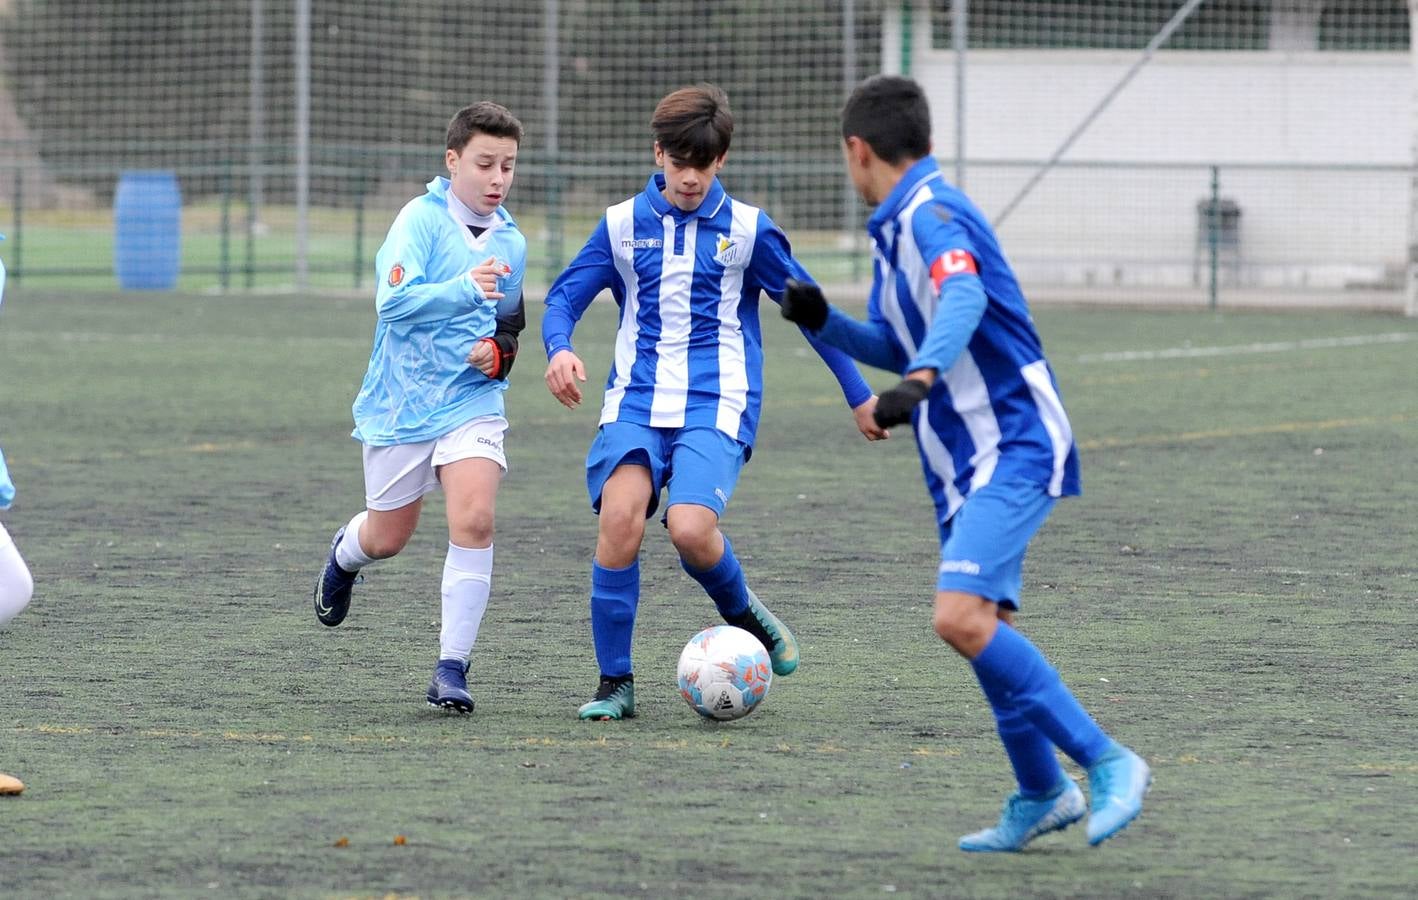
(724, 673)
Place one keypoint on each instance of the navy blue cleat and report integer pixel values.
(449, 687)
(332, 588)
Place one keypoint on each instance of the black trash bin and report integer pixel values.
(1218, 224)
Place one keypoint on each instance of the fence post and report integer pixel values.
(551, 103)
(251, 226)
(360, 191)
(224, 273)
(1213, 232)
(18, 236)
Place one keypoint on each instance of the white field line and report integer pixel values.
(1359, 340)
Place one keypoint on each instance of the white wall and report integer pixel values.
(1313, 146)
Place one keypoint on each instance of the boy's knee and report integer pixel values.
(964, 621)
(621, 532)
(694, 533)
(382, 545)
(474, 529)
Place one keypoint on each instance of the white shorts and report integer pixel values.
(399, 474)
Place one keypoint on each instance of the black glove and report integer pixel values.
(894, 407)
(804, 304)
(504, 340)
(504, 344)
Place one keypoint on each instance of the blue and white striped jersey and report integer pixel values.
(995, 410)
(689, 349)
(419, 385)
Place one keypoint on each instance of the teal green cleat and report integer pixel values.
(615, 699)
(1116, 784)
(758, 621)
(1024, 819)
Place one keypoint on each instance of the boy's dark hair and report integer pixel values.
(891, 114)
(693, 125)
(483, 117)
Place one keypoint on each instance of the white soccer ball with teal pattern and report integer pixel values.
(724, 673)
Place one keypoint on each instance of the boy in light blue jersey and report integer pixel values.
(430, 411)
(686, 263)
(16, 584)
(946, 312)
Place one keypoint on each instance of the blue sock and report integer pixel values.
(1031, 755)
(615, 593)
(1011, 664)
(724, 583)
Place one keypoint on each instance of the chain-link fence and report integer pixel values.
(266, 144)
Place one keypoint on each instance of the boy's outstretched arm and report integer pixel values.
(774, 266)
(960, 308)
(867, 342)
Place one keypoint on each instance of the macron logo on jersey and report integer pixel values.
(953, 262)
(643, 244)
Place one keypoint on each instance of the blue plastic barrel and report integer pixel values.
(147, 230)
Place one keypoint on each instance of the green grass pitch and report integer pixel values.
(1235, 595)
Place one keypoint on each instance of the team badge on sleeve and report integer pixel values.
(952, 262)
(396, 275)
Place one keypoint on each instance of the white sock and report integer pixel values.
(16, 584)
(467, 582)
(348, 553)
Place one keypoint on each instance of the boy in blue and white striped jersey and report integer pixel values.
(686, 264)
(997, 448)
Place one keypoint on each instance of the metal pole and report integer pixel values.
(1411, 304)
(302, 145)
(256, 121)
(907, 38)
(551, 103)
(1213, 233)
(1158, 40)
(17, 234)
(224, 270)
(849, 82)
(359, 230)
(960, 40)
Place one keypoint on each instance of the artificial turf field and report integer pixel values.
(1235, 595)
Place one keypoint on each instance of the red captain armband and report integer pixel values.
(952, 262)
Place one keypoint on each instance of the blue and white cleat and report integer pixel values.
(1116, 785)
(1024, 819)
(449, 687)
(332, 588)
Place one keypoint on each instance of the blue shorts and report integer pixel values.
(701, 465)
(983, 544)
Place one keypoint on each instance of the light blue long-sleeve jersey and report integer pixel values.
(689, 349)
(7, 487)
(944, 298)
(419, 385)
